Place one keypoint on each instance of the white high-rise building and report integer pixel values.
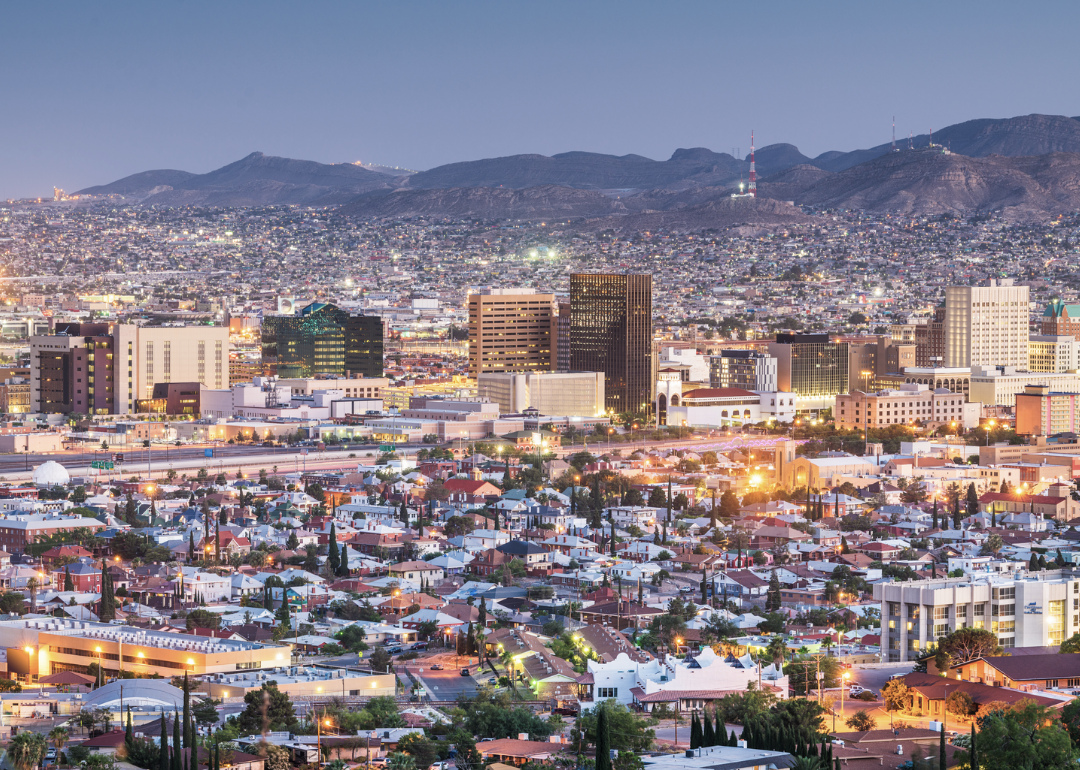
(1054, 353)
(987, 325)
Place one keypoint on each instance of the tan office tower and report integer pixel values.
(147, 355)
(987, 325)
(510, 330)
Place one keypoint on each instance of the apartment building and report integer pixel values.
(987, 325)
(911, 403)
(1029, 610)
(19, 530)
(512, 330)
(958, 379)
(812, 366)
(1042, 412)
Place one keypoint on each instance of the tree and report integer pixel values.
(993, 545)
(293, 542)
(205, 711)
(1070, 645)
(1025, 736)
(603, 740)
(960, 703)
(278, 710)
(627, 732)
(380, 660)
(772, 596)
(861, 721)
(26, 750)
(657, 498)
(468, 758)
(895, 694)
(967, 644)
(333, 559)
(972, 500)
(69, 583)
(729, 505)
(1070, 719)
(419, 747)
(633, 498)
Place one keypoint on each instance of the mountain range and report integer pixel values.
(1024, 168)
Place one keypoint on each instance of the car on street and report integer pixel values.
(436, 667)
(493, 681)
(857, 690)
(464, 672)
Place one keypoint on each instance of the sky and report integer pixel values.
(92, 92)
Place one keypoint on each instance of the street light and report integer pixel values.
(988, 427)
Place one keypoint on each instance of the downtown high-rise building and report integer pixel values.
(105, 368)
(987, 325)
(511, 330)
(611, 331)
(322, 340)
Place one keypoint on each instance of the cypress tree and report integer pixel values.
(708, 735)
(129, 733)
(163, 751)
(597, 505)
(1033, 563)
(343, 569)
(613, 537)
(956, 512)
(941, 750)
(187, 713)
(1042, 562)
(69, 584)
(935, 514)
(974, 750)
(332, 555)
(603, 741)
(695, 732)
(217, 540)
(669, 499)
(403, 514)
(176, 742)
(217, 756)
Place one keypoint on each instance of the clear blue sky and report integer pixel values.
(91, 92)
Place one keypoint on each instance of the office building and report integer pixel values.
(1060, 319)
(1053, 353)
(812, 366)
(987, 325)
(930, 340)
(560, 394)
(173, 398)
(871, 357)
(15, 396)
(910, 404)
(1029, 610)
(512, 330)
(103, 368)
(995, 386)
(562, 338)
(747, 369)
(1043, 412)
(611, 332)
(320, 340)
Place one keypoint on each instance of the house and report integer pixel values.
(417, 571)
(63, 554)
(512, 751)
(1024, 672)
(538, 561)
(86, 578)
(619, 614)
(471, 491)
(927, 693)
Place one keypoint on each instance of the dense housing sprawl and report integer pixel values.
(789, 496)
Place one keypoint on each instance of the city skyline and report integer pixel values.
(127, 88)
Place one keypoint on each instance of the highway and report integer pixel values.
(234, 459)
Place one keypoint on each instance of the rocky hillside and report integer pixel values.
(931, 182)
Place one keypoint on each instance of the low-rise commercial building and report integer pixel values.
(572, 394)
(911, 404)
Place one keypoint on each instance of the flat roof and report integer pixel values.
(131, 635)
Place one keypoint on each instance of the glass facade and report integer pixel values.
(322, 339)
(819, 367)
(611, 332)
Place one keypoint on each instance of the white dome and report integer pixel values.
(51, 474)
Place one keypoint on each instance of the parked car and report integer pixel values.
(436, 667)
(857, 690)
(493, 681)
(464, 672)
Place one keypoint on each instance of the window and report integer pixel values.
(980, 609)
(607, 692)
(961, 611)
(1005, 593)
(941, 613)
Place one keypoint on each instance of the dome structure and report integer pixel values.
(51, 474)
(148, 694)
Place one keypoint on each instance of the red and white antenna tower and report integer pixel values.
(752, 189)
(894, 133)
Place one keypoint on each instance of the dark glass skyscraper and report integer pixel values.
(611, 332)
(322, 339)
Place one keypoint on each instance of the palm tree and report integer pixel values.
(58, 737)
(32, 586)
(26, 750)
(807, 763)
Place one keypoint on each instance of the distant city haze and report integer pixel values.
(92, 93)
